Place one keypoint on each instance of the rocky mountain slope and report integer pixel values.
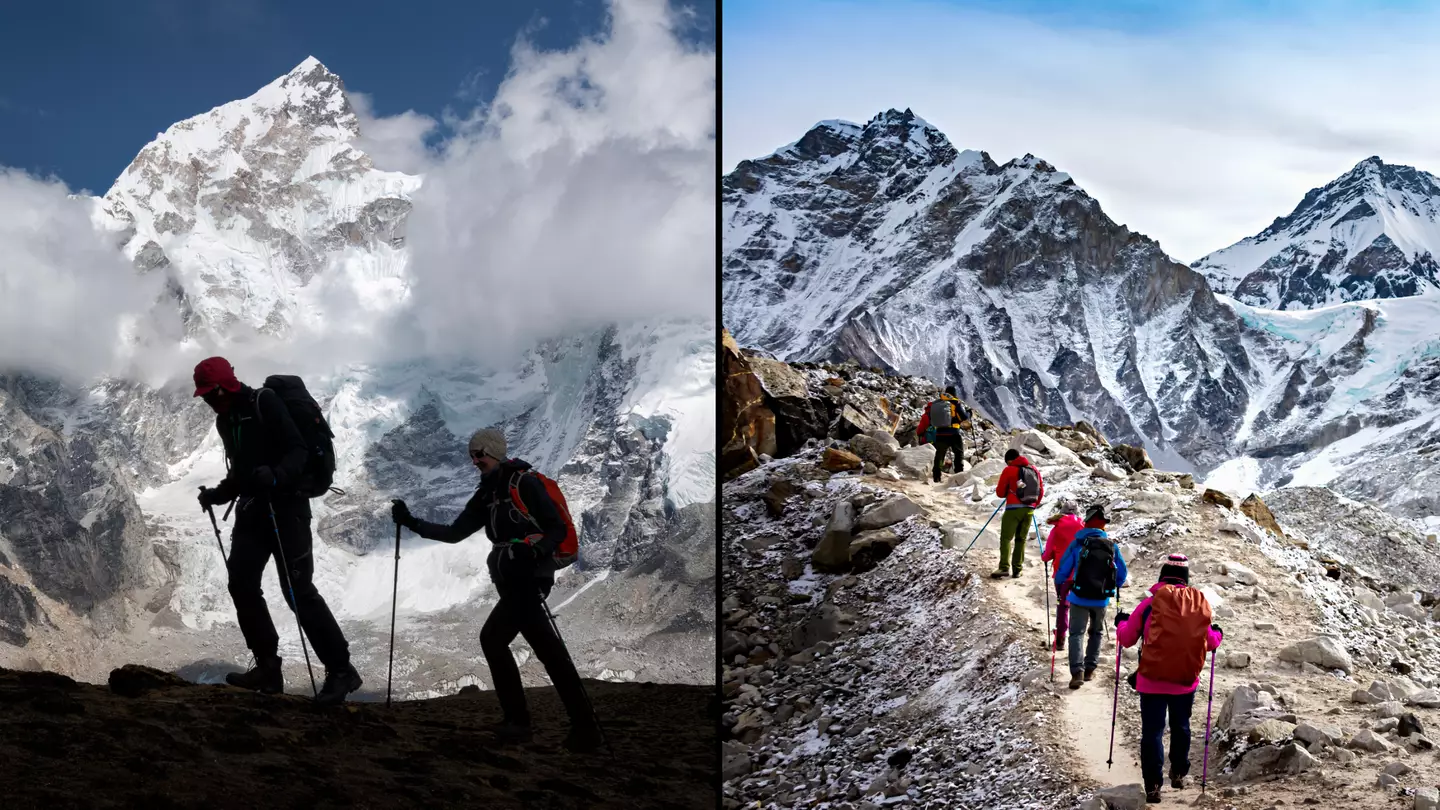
(869, 661)
(149, 739)
(884, 244)
(262, 214)
(1371, 233)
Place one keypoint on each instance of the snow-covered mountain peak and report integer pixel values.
(275, 176)
(1373, 232)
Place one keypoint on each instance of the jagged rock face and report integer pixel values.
(1372, 233)
(884, 244)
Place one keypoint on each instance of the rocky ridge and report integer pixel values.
(883, 674)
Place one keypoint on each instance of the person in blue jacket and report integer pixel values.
(1094, 562)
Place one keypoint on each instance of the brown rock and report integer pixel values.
(1135, 457)
(835, 381)
(133, 680)
(775, 498)
(1218, 498)
(837, 460)
(747, 426)
(1260, 513)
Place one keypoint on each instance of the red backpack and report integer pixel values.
(1175, 636)
(569, 549)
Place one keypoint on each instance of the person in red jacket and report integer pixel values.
(1022, 489)
(1066, 523)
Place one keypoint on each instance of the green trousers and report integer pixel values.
(1014, 526)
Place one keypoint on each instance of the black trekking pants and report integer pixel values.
(521, 610)
(251, 546)
(943, 443)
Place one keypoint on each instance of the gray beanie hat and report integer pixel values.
(1067, 506)
(489, 442)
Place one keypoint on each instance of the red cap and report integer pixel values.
(212, 372)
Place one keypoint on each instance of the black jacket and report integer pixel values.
(258, 432)
(491, 509)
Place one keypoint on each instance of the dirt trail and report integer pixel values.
(1086, 712)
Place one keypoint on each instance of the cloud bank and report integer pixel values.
(1197, 133)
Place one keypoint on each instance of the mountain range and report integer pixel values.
(1304, 354)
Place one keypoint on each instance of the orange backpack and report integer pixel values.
(569, 549)
(1175, 635)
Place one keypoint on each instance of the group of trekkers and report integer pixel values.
(279, 455)
(1172, 624)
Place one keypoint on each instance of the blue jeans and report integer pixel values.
(1152, 735)
(1082, 616)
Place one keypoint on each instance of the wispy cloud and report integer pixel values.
(1197, 135)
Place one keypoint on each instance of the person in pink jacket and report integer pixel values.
(1169, 652)
(1066, 523)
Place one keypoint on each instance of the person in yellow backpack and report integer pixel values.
(941, 424)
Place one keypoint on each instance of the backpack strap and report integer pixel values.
(520, 507)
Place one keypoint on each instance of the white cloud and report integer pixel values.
(1197, 136)
(395, 143)
(67, 294)
(582, 194)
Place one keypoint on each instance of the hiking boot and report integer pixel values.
(1076, 680)
(585, 738)
(338, 684)
(1131, 679)
(1177, 782)
(508, 732)
(1059, 645)
(1014, 573)
(1089, 674)
(1152, 795)
(1000, 573)
(265, 677)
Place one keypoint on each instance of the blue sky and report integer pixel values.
(1194, 123)
(85, 85)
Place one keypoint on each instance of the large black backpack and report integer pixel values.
(319, 471)
(1095, 570)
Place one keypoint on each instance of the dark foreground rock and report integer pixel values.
(65, 744)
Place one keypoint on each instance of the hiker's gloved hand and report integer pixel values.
(400, 513)
(1121, 616)
(263, 478)
(211, 497)
(1217, 629)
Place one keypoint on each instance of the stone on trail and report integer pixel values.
(1123, 797)
(832, 553)
(1218, 498)
(1427, 798)
(1316, 732)
(1367, 740)
(888, 514)
(1425, 699)
(916, 462)
(1240, 573)
(1321, 651)
(837, 460)
(1237, 660)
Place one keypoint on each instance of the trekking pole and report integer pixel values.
(210, 510)
(289, 584)
(1045, 569)
(1114, 701)
(394, 596)
(982, 531)
(1210, 703)
(605, 738)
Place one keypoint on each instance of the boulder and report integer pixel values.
(1240, 573)
(1156, 503)
(1237, 660)
(1396, 768)
(832, 553)
(1311, 733)
(888, 514)
(744, 416)
(134, 680)
(1135, 457)
(837, 460)
(1367, 740)
(863, 412)
(1046, 446)
(1244, 708)
(1123, 797)
(780, 491)
(1410, 611)
(1321, 651)
(1409, 724)
(1271, 731)
(735, 761)
(1089, 430)
(871, 547)
(1106, 471)
(916, 462)
(1218, 498)
(1427, 798)
(824, 624)
(1273, 759)
(1425, 699)
(1389, 708)
(1257, 511)
(986, 469)
(873, 450)
(1367, 598)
